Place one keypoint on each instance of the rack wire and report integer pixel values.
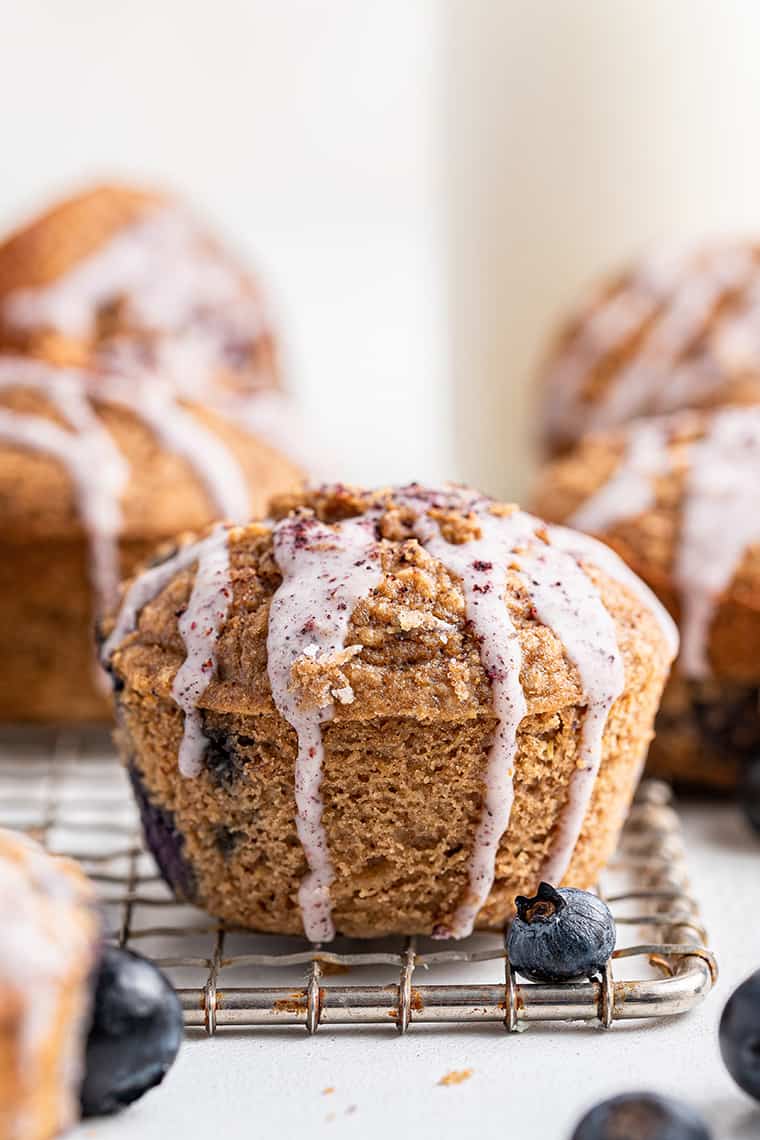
(68, 790)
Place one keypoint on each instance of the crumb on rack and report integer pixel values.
(330, 1089)
(456, 1077)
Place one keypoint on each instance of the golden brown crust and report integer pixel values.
(69, 231)
(38, 1071)
(405, 761)
(648, 542)
(63, 237)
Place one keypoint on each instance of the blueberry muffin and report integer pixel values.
(676, 497)
(117, 275)
(384, 712)
(49, 939)
(678, 330)
(96, 468)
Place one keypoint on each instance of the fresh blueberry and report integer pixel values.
(135, 1033)
(740, 1035)
(749, 791)
(560, 935)
(641, 1116)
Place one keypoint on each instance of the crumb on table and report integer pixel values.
(456, 1077)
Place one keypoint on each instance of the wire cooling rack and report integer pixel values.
(68, 790)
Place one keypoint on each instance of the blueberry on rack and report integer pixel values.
(135, 1033)
(560, 935)
(641, 1116)
(739, 1035)
(749, 791)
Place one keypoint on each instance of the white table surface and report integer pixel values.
(272, 1082)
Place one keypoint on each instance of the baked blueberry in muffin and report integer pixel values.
(384, 712)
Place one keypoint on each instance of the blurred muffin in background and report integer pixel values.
(677, 498)
(124, 277)
(677, 330)
(97, 467)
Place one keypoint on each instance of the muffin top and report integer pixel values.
(676, 496)
(121, 276)
(677, 330)
(113, 456)
(434, 604)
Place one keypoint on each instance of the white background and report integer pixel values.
(425, 186)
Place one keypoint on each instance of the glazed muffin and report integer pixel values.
(676, 497)
(49, 939)
(384, 712)
(126, 277)
(96, 468)
(679, 330)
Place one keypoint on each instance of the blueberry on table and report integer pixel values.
(641, 1116)
(739, 1035)
(749, 791)
(560, 935)
(135, 1033)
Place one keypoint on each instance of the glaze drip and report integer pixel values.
(720, 521)
(567, 602)
(630, 491)
(482, 566)
(154, 402)
(98, 471)
(326, 571)
(148, 585)
(199, 627)
(719, 499)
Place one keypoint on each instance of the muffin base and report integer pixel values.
(704, 733)
(402, 799)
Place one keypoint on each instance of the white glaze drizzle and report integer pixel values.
(585, 548)
(680, 291)
(326, 571)
(199, 627)
(161, 267)
(41, 935)
(98, 471)
(155, 403)
(482, 565)
(720, 521)
(147, 585)
(630, 490)
(566, 601)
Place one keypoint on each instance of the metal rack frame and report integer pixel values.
(68, 790)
